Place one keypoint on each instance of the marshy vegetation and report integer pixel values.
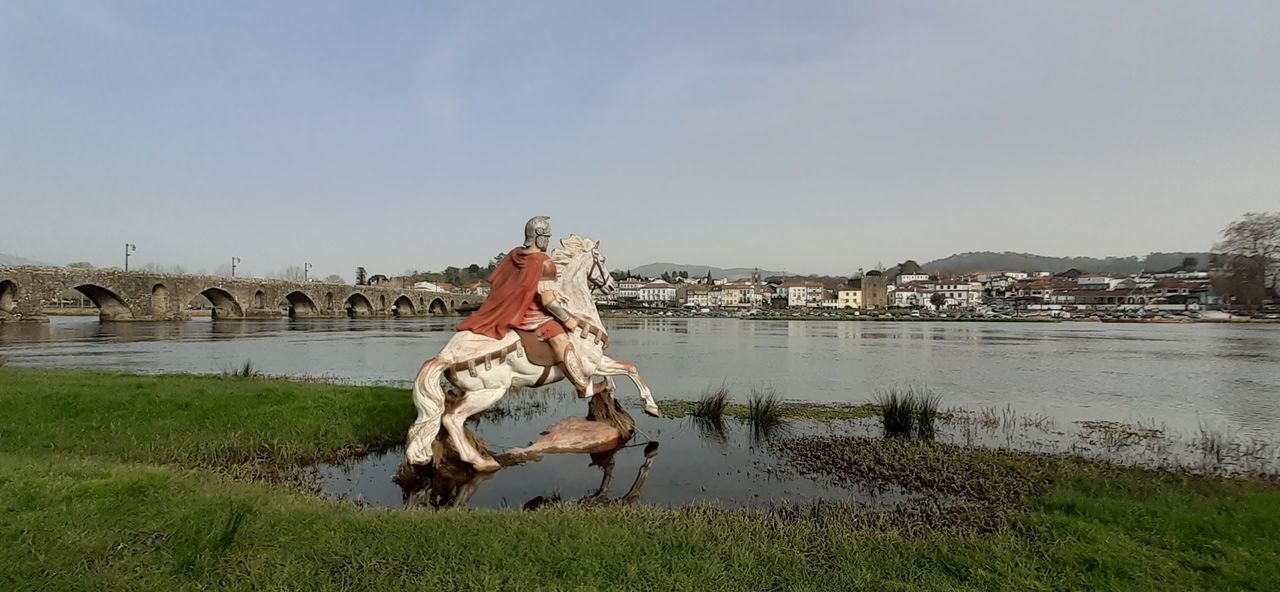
(909, 409)
(711, 405)
(246, 370)
(764, 408)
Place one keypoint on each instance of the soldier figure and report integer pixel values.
(523, 296)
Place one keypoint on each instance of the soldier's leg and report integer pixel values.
(568, 360)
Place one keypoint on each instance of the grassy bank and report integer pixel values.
(112, 481)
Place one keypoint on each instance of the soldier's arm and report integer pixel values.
(550, 300)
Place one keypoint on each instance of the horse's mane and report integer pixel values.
(572, 247)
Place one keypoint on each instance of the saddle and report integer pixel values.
(537, 351)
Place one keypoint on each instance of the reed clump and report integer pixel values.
(246, 370)
(764, 408)
(712, 404)
(908, 409)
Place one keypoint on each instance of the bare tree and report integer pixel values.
(1257, 237)
(293, 273)
(334, 278)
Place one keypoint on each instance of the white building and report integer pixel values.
(958, 294)
(910, 298)
(698, 296)
(629, 289)
(907, 278)
(430, 286)
(803, 293)
(658, 292)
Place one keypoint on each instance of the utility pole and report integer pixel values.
(128, 248)
(234, 261)
(305, 268)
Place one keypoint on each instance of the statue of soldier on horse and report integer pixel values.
(538, 326)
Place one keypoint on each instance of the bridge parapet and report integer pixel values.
(27, 292)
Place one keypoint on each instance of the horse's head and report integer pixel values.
(581, 261)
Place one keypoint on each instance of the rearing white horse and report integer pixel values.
(484, 369)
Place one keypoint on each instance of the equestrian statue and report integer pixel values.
(538, 326)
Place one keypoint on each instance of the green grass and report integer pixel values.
(218, 422)
(105, 483)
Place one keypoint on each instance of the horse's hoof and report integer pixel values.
(487, 466)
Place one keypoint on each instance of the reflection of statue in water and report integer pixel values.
(449, 482)
(538, 326)
(605, 461)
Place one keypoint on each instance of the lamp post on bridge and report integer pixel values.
(128, 248)
(234, 261)
(305, 268)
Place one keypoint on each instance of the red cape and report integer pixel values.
(511, 287)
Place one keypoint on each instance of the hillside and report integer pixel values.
(14, 260)
(1010, 261)
(696, 271)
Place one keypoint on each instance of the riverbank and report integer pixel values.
(112, 480)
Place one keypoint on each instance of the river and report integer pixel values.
(1183, 376)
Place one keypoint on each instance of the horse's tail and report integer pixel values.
(428, 397)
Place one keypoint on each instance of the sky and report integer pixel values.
(813, 137)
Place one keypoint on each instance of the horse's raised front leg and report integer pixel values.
(611, 367)
(455, 422)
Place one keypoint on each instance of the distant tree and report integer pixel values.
(666, 276)
(80, 265)
(1190, 263)
(937, 299)
(377, 278)
(453, 275)
(362, 276)
(223, 270)
(293, 273)
(1240, 281)
(1257, 237)
(473, 269)
(334, 278)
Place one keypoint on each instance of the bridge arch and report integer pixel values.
(259, 299)
(404, 307)
(111, 307)
(438, 307)
(328, 301)
(160, 304)
(8, 297)
(359, 306)
(382, 302)
(301, 305)
(224, 304)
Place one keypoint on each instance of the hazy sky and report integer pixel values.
(808, 136)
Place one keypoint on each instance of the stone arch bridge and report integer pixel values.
(26, 292)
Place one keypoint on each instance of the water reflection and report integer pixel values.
(453, 484)
(1179, 374)
(731, 466)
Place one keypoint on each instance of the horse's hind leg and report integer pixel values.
(611, 367)
(456, 419)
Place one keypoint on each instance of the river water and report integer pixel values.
(1182, 376)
